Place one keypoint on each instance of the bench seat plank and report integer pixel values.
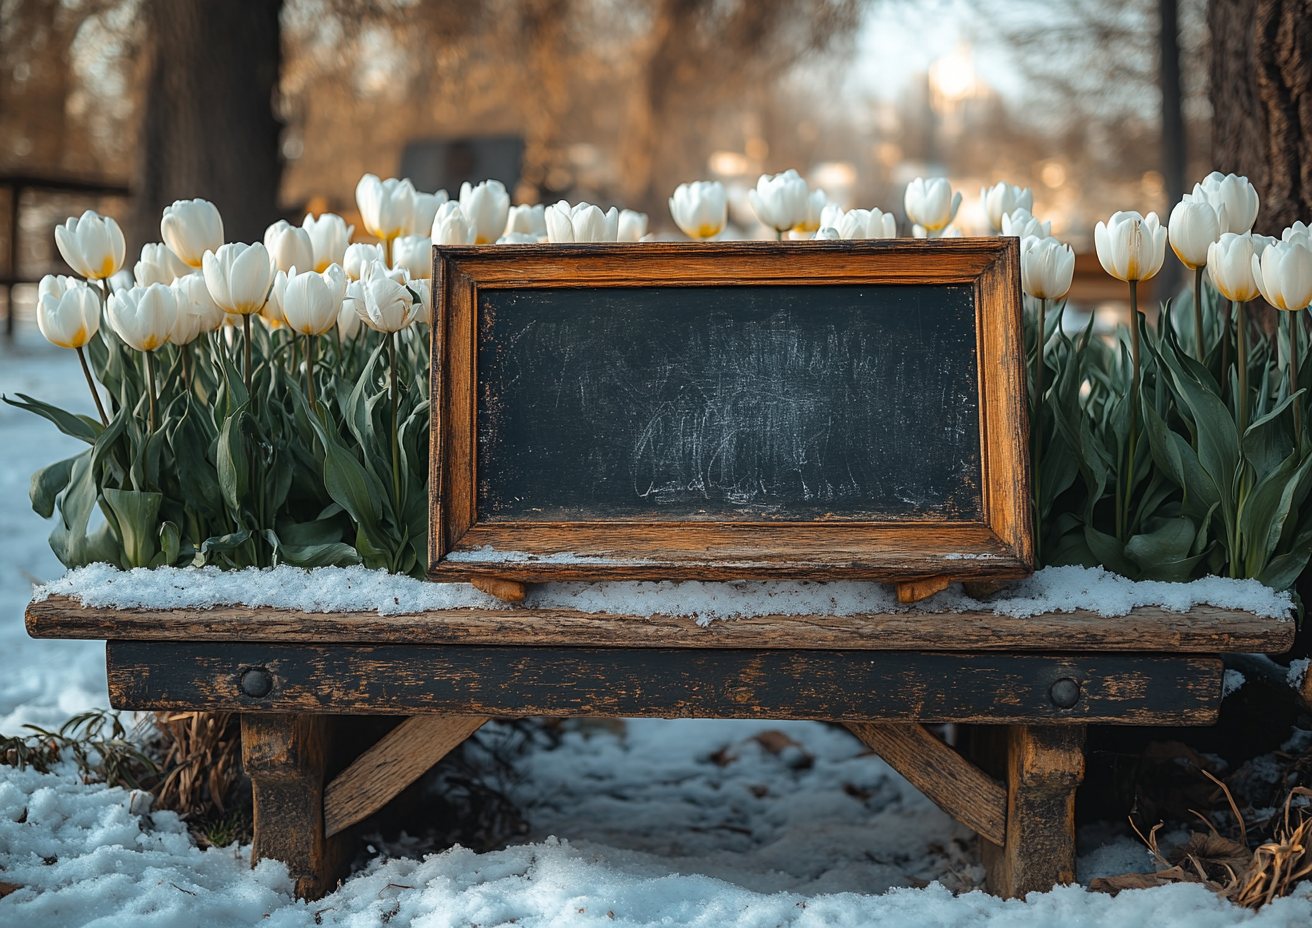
(1203, 630)
(875, 686)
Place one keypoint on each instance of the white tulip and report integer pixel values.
(239, 277)
(1233, 198)
(1283, 275)
(158, 265)
(867, 223)
(518, 238)
(1298, 233)
(289, 246)
(383, 301)
(1046, 267)
(143, 316)
(271, 312)
(1002, 199)
(1021, 224)
(452, 227)
(387, 207)
(311, 302)
(188, 321)
(632, 226)
(700, 209)
(123, 280)
(348, 320)
(193, 296)
(582, 222)
(92, 245)
(424, 290)
(359, 256)
(816, 201)
(486, 208)
(1192, 230)
(67, 311)
(931, 204)
(1130, 247)
(190, 228)
(953, 232)
(527, 220)
(329, 236)
(781, 201)
(415, 254)
(426, 207)
(1230, 264)
(826, 233)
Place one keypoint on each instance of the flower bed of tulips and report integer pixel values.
(266, 403)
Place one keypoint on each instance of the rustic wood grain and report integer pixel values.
(380, 773)
(875, 686)
(950, 781)
(913, 591)
(999, 546)
(1204, 629)
(1045, 765)
(286, 757)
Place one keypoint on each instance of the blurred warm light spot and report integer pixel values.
(728, 163)
(526, 194)
(1153, 183)
(584, 155)
(757, 149)
(1053, 174)
(317, 205)
(833, 175)
(888, 153)
(807, 131)
(952, 77)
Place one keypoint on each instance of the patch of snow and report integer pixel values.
(1232, 680)
(1297, 671)
(486, 554)
(340, 589)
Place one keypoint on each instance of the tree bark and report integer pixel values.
(1173, 162)
(208, 127)
(1261, 89)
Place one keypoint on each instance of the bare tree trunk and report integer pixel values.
(1261, 88)
(208, 128)
(1173, 165)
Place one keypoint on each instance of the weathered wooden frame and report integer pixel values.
(999, 546)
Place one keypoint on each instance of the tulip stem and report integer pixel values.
(1123, 529)
(312, 344)
(387, 253)
(95, 395)
(1038, 431)
(150, 390)
(1294, 326)
(186, 366)
(246, 348)
(1225, 345)
(396, 399)
(1198, 311)
(1241, 361)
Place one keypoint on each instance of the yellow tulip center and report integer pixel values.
(706, 230)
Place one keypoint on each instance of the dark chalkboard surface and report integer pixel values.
(729, 403)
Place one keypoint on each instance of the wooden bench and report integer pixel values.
(1026, 686)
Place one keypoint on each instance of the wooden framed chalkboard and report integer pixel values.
(802, 410)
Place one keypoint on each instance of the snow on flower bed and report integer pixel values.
(357, 589)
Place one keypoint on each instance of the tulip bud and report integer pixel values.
(424, 290)
(486, 208)
(189, 321)
(1230, 264)
(358, 256)
(426, 207)
(528, 220)
(271, 312)
(289, 246)
(1297, 233)
(239, 277)
(1192, 230)
(329, 236)
(158, 265)
(190, 228)
(92, 245)
(1129, 246)
(1233, 198)
(1002, 199)
(123, 280)
(518, 238)
(1283, 275)
(193, 296)
(781, 201)
(384, 302)
(143, 316)
(582, 222)
(867, 223)
(348, 319)
(415, 254)
(1021, 224)
(67, 311)
(387, 207)
(816, 201)
(826, 233)
(311, 302)
(452, 227)
(700, 209)
(1046, 267)
(931, 204)
(632, 226)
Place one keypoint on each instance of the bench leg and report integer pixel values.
(1044, 765)
(287, 759)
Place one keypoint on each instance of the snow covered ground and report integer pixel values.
(716, 823)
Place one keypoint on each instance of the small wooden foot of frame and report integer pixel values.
(913, 591)
(1027, 822)
(286, 757)
(511, 591)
